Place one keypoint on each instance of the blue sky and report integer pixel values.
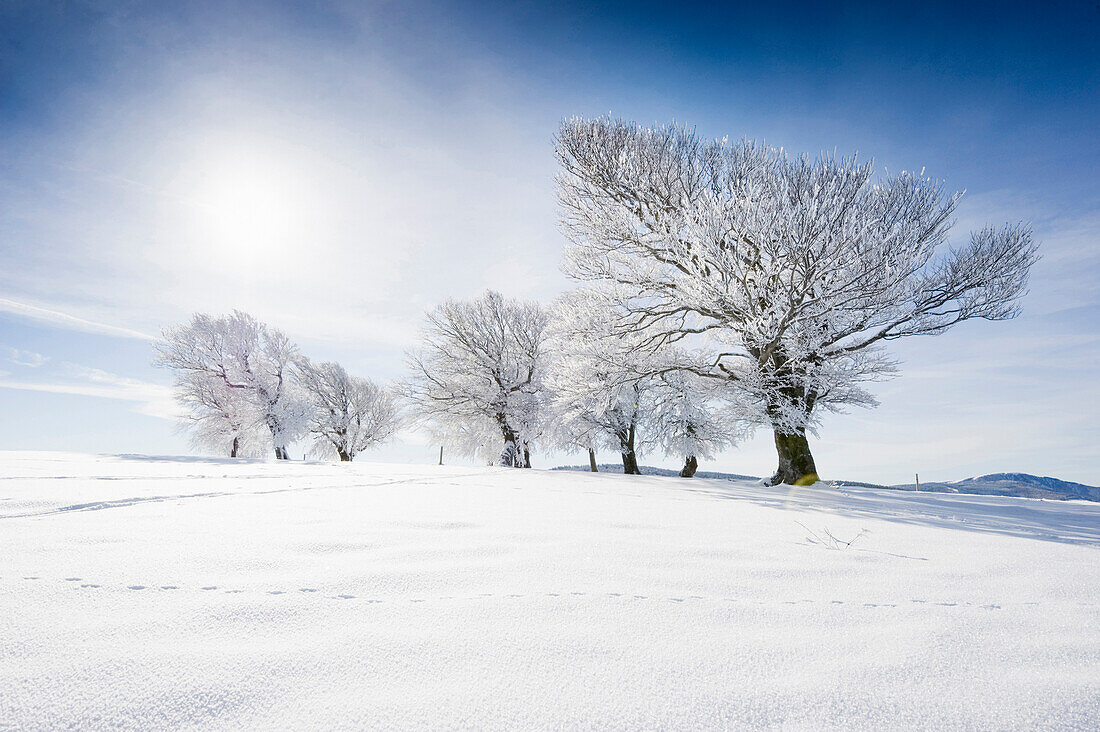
(337, 169)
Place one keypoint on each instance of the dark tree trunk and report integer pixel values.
(234, 447)
(592, 460)
(630, 463)
(690, 466)
(526, 458)
(796, 463)
(630, 460)
(281, 454)
(508, 456)
(344, 456)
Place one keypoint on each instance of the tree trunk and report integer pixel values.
(630, 460)
(281, 454)
(592, 460)
(690, 466)
(235, 446)
(526, 457)
(630, 463)
(344, 456)
(508, 454)
(796, 463)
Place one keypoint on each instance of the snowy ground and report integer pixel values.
(147, 592)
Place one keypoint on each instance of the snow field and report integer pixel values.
(150, 593)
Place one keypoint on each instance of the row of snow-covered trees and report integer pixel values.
(722, 287)
(495, 377)
(246, 390)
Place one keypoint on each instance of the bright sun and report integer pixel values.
(252, 208)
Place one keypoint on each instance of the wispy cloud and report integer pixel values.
(154, 400)
(29, 359)
(59, 319)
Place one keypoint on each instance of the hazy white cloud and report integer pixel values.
(58, 319)
(30, 359)
(154, 400)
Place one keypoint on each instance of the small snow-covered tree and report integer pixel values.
(569, 430)
(691, 419)
(349, 414)
(479, 372)
(599, 390)
(789, 273)
(240, 355)
(221, 419)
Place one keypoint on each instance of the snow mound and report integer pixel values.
(163, 592)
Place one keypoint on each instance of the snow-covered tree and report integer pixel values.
(221, 419)
(790, 273)
(691, 419)
(571, 430)
(600, 393)
(237, 355)
(478, 375)
(349, 414)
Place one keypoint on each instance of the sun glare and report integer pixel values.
(252, 208)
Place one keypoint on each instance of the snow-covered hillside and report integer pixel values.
(1017, 484)
(156, 592)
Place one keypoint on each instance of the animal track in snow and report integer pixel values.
(564, 594)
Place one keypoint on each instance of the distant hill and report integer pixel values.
(1020, 485)
(1013, 484)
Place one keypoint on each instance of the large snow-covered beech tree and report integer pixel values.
(791, 272)
(349, 414)
(237, 354)
(479, 372)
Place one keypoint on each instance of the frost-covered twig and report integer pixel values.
(829, 540)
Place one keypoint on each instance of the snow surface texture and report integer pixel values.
(215, 594)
